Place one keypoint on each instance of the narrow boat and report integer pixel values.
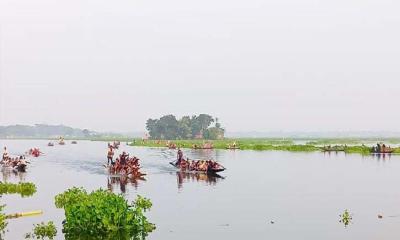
(233, 148)
(334, 149)
(202, 148)
(386, 151)
(208, 171)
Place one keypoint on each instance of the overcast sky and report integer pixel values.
(264, 65)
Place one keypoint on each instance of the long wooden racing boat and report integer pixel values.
(208, 171)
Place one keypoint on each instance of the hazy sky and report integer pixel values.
(262, 65)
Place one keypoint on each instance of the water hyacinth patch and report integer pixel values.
(103, 214)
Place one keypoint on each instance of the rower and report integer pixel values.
(179, 157)
(123, 158)
(110, 155)
(5, 154)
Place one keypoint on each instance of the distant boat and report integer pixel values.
(74, 142)
(385, 151)
(50, 144)
(334, 148)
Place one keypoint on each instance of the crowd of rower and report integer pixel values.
(196, 165)
(18, 162)
(381, 148)
(34, 152)
(123, 164)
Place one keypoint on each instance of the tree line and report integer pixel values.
(187, 127)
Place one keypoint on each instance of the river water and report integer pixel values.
(261, 195)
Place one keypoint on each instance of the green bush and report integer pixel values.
(3, 222)
(103, 213)
(43, 231)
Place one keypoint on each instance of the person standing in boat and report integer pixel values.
(123, 158)
(110, 155)
(179, 157)
(5, 154)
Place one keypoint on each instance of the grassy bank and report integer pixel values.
(355, 145)
(244, 144)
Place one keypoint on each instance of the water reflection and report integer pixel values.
(382, 156)
(208, 178)
(9, 173)
(121, 182)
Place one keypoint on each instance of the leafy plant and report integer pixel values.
(43, 231)
(3, 222)
(346, 218)
(103, 213)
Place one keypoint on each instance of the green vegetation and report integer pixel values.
(346, 218)
(270, 144)
(103, 214)
(3, 222)
(24, 189)
(338, 141)
(43, 231)
(168, 127)
(251, 144)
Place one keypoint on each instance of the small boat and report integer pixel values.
(202, 148)
(208, 171)
(50, 144)
(233, 148)
(74, 142)
(334, 149)
(386, 151)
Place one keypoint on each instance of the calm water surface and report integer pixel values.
(303, 193)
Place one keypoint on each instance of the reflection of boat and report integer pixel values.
(210, 178)
(122, 181)
(209, 170)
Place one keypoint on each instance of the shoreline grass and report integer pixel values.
(269, 145)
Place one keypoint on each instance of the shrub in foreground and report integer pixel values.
(101, 214)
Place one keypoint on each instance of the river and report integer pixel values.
(261, 195)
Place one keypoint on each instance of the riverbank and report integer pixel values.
(358, 145)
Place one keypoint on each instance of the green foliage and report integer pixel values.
(103, 213)
(358, 149)
(24, 189)
(168, 127)
(346, 218)
(43, 231)
(3, 222)
(214, 133)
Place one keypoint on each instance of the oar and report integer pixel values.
(24, 214)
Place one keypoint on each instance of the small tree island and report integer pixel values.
(194, 127)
